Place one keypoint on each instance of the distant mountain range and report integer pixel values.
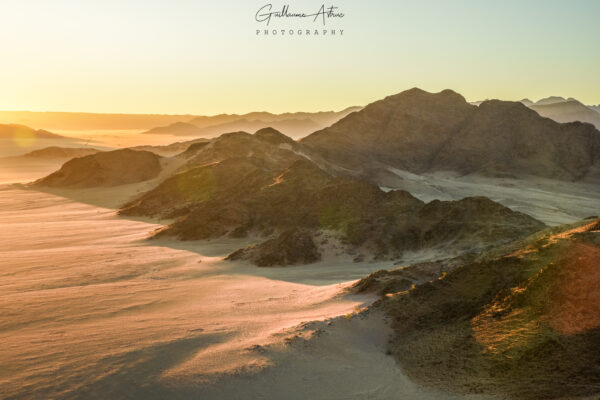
(55, 152)
(566, 110)
(88, 121)
(15, 140)
(294, 125)
(563, 110)
(21, 132)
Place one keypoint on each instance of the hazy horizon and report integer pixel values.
(185, 57)
(315, 110)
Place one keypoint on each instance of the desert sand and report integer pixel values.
(93, 310)
(551, 201)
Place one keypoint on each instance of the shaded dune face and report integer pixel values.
(105, 169)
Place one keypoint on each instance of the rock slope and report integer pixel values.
(421, 132)
(261, 185)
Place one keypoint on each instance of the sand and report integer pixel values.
(93, 310)
(550, 201)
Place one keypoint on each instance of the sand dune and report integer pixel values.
(90, 309)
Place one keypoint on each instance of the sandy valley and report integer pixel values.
(92, 309)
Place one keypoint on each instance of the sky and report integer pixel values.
(204, 57)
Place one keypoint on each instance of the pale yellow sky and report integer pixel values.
(205, 58)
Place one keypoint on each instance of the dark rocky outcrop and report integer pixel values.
(245, 184)
(423, 132)
(403, 130)
(506, 138)
(291, 247)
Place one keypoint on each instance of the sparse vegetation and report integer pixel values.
(526, 323)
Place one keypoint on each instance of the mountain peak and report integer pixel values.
(423, 94)
(526, 101)
(272, 136)
(550, 100)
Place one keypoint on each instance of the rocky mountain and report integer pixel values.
(568, 111)
(521, 321)
(552, 100)
(278, 192)
(508, 139)
(263, 186)
(55, 152)
(401, 130)
(526, 102)
(421, 132)
(111, 168)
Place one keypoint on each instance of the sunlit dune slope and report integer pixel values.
(523, 321)
(111, 168)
